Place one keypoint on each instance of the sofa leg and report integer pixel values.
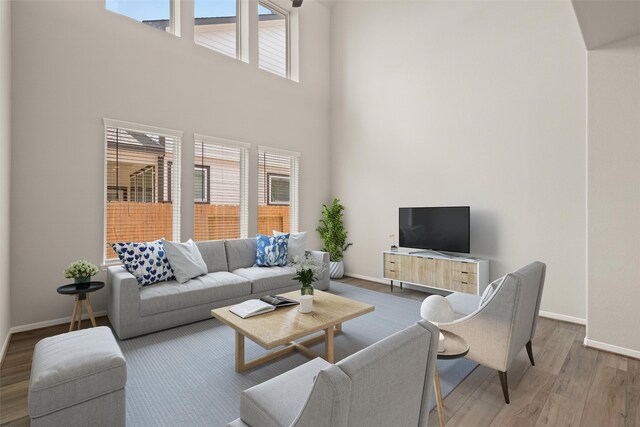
(530, 353)
(505, 387)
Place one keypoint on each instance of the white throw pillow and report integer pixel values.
(297, 244)
(489, 290)
(185, 259)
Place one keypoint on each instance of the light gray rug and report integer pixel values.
(186, 375)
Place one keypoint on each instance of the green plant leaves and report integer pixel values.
(332, 232)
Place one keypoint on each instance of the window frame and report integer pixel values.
(174, 187)
(270, 201)
(287, 19)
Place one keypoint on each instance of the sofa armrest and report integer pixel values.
(124, 299)
(324, 281)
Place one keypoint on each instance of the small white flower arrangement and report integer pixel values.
(308, 270)
(81, 270)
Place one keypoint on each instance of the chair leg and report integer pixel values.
(505, 387)
(530, 353)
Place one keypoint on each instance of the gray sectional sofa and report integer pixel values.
(232, 278)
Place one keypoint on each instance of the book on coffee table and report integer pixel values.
(251, 307)
(278, 300)
(268, 303)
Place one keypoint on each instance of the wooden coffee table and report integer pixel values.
(285, 325)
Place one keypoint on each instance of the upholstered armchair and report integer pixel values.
(500, 323)
(386, 384)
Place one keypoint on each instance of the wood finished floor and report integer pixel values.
(570, 385)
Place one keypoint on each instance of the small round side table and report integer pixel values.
(81, 291)
(455, 347)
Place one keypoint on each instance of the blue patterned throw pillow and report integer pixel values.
(146, 261)
(272, 250)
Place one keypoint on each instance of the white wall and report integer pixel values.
(614, 198)
(75, 63)
(464, 103)
(5, 162)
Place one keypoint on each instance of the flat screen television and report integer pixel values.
(435, 228)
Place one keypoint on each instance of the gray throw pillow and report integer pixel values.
(489, 290)
(185, 260)
(297, 244)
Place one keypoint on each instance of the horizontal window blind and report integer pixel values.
(142, 187)
(277, 191)
(220, 191)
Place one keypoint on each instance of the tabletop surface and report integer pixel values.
(286, 324)
(76, 288)
(454, 346)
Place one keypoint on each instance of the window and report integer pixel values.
(277, 190)
(273, 39)
(142, 184)
(220, 189)
(216, 25)
(161, 14)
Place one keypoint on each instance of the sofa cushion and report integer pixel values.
(278, 402)
(463, 304)
(272, 251)
(212, 287)
(265, 279)
(297, 244)
(71, 368)
(185, 259)
(147, 261)
(214, 254)
(241, 253)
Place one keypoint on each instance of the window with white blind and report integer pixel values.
(161, 14)
(220, 189)
(277, 190)
(142, 184)
(216, 26)
(273, 38)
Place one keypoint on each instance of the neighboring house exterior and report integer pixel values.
(139, 194)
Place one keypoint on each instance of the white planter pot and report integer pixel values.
(336, 269)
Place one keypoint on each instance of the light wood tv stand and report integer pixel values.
(449, 273)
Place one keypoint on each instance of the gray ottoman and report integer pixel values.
(78, 379)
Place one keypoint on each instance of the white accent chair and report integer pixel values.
(388, 383)
(501, 322)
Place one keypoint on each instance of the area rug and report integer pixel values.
(185, 376)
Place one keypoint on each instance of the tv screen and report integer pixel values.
(435, 228)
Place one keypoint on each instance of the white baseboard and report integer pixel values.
(369, 278)
(60, 321)
(612, 348)
(5, 345)
(563, 317)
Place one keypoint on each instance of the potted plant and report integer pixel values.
(81, 271)
(308, 270)
(334, 237)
